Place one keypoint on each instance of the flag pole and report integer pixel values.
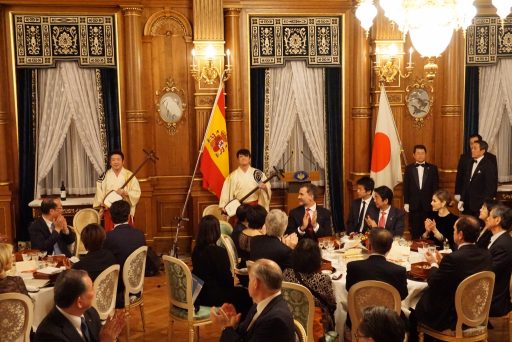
(402, 152)
(180, 219)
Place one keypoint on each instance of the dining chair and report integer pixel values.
(370, 293)
(300, 333)
(17, 314)
(105, 288)
(472, 302)
(225, 227)
(229, 245)
(81, 219)
(301, 304)
(181, 304)
(214, 210)
(133, 279)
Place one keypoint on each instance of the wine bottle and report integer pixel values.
(62, 192)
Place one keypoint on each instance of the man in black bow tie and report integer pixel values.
(421, 180)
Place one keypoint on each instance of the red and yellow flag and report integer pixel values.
(215, 156)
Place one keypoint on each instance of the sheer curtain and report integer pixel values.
(495, 118)
(69, 98)
(295, 136)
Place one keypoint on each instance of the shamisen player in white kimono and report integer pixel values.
(109, 188)
(243, 180)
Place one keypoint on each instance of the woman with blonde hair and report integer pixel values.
(9, 283)
(439, 226)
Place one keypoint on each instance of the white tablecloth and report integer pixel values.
(43, 304)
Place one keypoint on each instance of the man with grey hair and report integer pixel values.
(269, 319)
(273, 245)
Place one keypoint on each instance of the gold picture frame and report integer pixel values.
(170, 105)
(419, 99)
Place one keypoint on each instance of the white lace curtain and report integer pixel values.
(295, 113)
(69, 146)
(495, 113)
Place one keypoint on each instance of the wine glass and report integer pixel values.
(321, 244)
(42, 254)
(330, 246)
(26, 256)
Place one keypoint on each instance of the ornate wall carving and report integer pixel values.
(487, 40)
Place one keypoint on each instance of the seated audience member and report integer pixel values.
(436, 307)
(376, 267)
(307, 260)
(499, 223)
(485, 234)
(97, 258)
(273, 245)
(439, 226)
(388, 217)
(256, 216)
(122, 241)
(73, 318)
(9, 283)
(309, 219)
(240, 225)
(269, 319)
(50, 232)
(363, 206)
(380, 324)
(211, 264)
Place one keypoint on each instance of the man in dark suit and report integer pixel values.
(73, 318)
(122, 241)
(50, 233)
(500, 247)
(269, 319)
(272, 245)
(309, 220)
(436, 307)
(376, 267)
(480, 180)
(361, 207)
(421, 180)
(388, 216)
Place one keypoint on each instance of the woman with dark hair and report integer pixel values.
(485, 234)
(241, 225)
(210, 263)
(380, 324)
(97, 258)
(256, 216)
(306, 261)
(439, 226)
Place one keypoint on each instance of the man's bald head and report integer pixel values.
(268, 272)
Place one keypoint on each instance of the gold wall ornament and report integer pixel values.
(419, 99)
(387, 61)
(207, 65)
(170, 106)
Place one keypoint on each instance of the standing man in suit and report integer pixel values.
(421, 180)
(73, 318)
(269, 319)
(376, 267)
(309, 220)
(363, 206)
(436, 307)
(480, 180)
(499, 222)
(50, 232)
(388, 216)
(122, 241)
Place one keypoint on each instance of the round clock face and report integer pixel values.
(418, 103)
(171, 107)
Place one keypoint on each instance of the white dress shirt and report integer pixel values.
(260, 307)
(76, 321)
(311, 211)
(495, 237)
(475, 165)
(366, 204)
(421, 170)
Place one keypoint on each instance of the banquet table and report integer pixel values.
(415, 289)
(43, 304)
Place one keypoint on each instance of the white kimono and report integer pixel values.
(240, 183)
(109, 181)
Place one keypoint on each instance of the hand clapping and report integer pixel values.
(226, 316)
(113, 326)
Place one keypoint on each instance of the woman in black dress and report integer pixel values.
(439, 226)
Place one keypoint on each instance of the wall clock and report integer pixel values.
(170, 106)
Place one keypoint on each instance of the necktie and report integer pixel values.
(422, 165)
(382, 220)
(56, 248)
(85, 330)
(475, 161)
(310, 232)
(360, 223)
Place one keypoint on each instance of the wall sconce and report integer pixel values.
(387, 64)
(203, 66)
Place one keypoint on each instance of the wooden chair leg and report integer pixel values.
(141, 307)
(128, 329)
(421, 336)
(190, 333)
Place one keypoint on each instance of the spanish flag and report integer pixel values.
(215, 156)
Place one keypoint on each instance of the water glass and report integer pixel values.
(432, 249)
(321, 244)
(26, 257)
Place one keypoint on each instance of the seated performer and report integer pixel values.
(309, 219)
(244, 179)
(111, 181)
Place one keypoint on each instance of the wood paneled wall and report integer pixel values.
(155, 39)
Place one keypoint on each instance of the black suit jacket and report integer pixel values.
(420, 199)
(395, 221)
(275, 323)
(57, 328)
(436, 307)
(323, 218)
(461, 169)
(95, 262)
(270, 247)
(501, 253)
(376, 267)
(353, 216)
(483, 184)
(42, 239)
